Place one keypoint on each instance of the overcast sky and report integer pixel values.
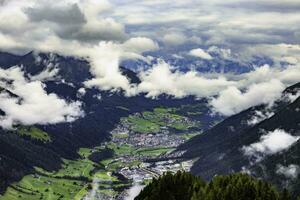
(108, 32)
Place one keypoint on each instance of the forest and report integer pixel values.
(185, 186)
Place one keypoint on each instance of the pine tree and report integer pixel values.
(285, 195)
(184, 186)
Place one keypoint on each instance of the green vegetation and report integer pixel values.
(142, 125)
(75, 168)
(121, 150)
(150, 122)
(72, 181)
(33, 187)
(184, 186)
(188, 136)
(114, 163)
(34, 133)
(120, 135)
(153, 151)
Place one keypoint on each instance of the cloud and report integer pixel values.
(67, 14)
(227, 23)
(161, 79)
(106, 57)
(2, 2)
(233, 100)
(108, 32)
(271, 143)
(81, 92)
(264, 85)
(33, 104)
(224, 53)
(174, 39)
(200, 53)
(281, 52)
(69, 21)
(291, 171)
(140, 45)
(259, 116)
(134, 191)
(51, 70)
(47, 74)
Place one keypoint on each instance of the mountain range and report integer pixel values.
(238, 143)
(20, 154)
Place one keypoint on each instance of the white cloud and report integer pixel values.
(107, 32)
(51, 70)
(105, 59)
(134, 191)
(33, 105)
(292, 97)
(278, 52)
(160, 79)
(48, 74)
(224, 53)
(259, 116)
(271, 143)
(290, 171)
(81, 92)
(200, 53)
(233, 100)
(174, 39)
(264, 85)
(140, 45)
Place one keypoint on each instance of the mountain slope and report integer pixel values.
(220, 149)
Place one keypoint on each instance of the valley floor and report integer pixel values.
(139, 150)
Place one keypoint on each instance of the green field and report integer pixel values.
(150, 122)
(70, 182)
(33, 187)
(153, 152)
(34, 133)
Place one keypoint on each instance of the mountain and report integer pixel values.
(25, 148)
(221, 150)
(8, 59)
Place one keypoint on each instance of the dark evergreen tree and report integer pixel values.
(184, 186)
(285, 195)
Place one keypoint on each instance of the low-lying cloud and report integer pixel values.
(233, 100)
(291, 171)
(259, 116)
(32, 105)
(162, 79)
(105, 60)
(264, 85)
(271, 143)
(200, 53)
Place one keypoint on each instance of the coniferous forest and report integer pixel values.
(185, 186)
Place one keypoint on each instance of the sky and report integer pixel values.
(108, 32)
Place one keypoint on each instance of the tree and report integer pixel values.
(285, 195)
(184, 186)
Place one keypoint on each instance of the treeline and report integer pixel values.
(185, 186)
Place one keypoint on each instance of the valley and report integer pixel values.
(138, 149)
